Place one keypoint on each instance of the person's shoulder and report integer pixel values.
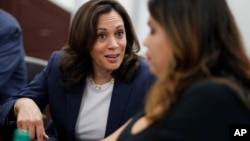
(9, 26)
(143, 63)
(55, 57)
(8, 21)
(57, 53)
(54, 62)
(208, 85)
(144, 74)
(207, 89)
(144, 69)
(143, 66)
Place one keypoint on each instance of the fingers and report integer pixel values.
(29, 117)
(36, 131)
(40, 133)
(31, 130)
(45, 136)
(34, 127)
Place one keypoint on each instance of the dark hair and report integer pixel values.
(207, 45)
(76, 61)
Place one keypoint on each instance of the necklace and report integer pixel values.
(101, 86)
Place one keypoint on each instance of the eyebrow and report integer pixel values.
(120, 26)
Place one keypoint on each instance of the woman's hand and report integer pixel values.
(29, 117)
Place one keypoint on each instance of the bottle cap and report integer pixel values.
(21, 135)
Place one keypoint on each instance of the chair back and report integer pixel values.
(34, 66)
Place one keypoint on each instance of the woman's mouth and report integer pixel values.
(112, 57)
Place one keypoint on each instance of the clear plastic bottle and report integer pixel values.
(21, 135)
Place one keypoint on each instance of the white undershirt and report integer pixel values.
(93, 114)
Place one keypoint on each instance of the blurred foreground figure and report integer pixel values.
(195, 50)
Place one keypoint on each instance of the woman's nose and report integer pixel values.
(145, 42)
(113, 42)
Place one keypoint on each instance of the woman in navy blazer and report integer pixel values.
(94, 85)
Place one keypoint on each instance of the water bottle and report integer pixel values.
(21, 135)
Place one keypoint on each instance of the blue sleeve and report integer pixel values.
(11, 47)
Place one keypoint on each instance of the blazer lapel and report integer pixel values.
(73, 103)
(119, 99)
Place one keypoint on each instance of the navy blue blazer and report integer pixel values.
(65, 102)
(12, 65)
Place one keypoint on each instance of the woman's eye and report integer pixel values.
(101, 36)
(120, 33)
(152, 31)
